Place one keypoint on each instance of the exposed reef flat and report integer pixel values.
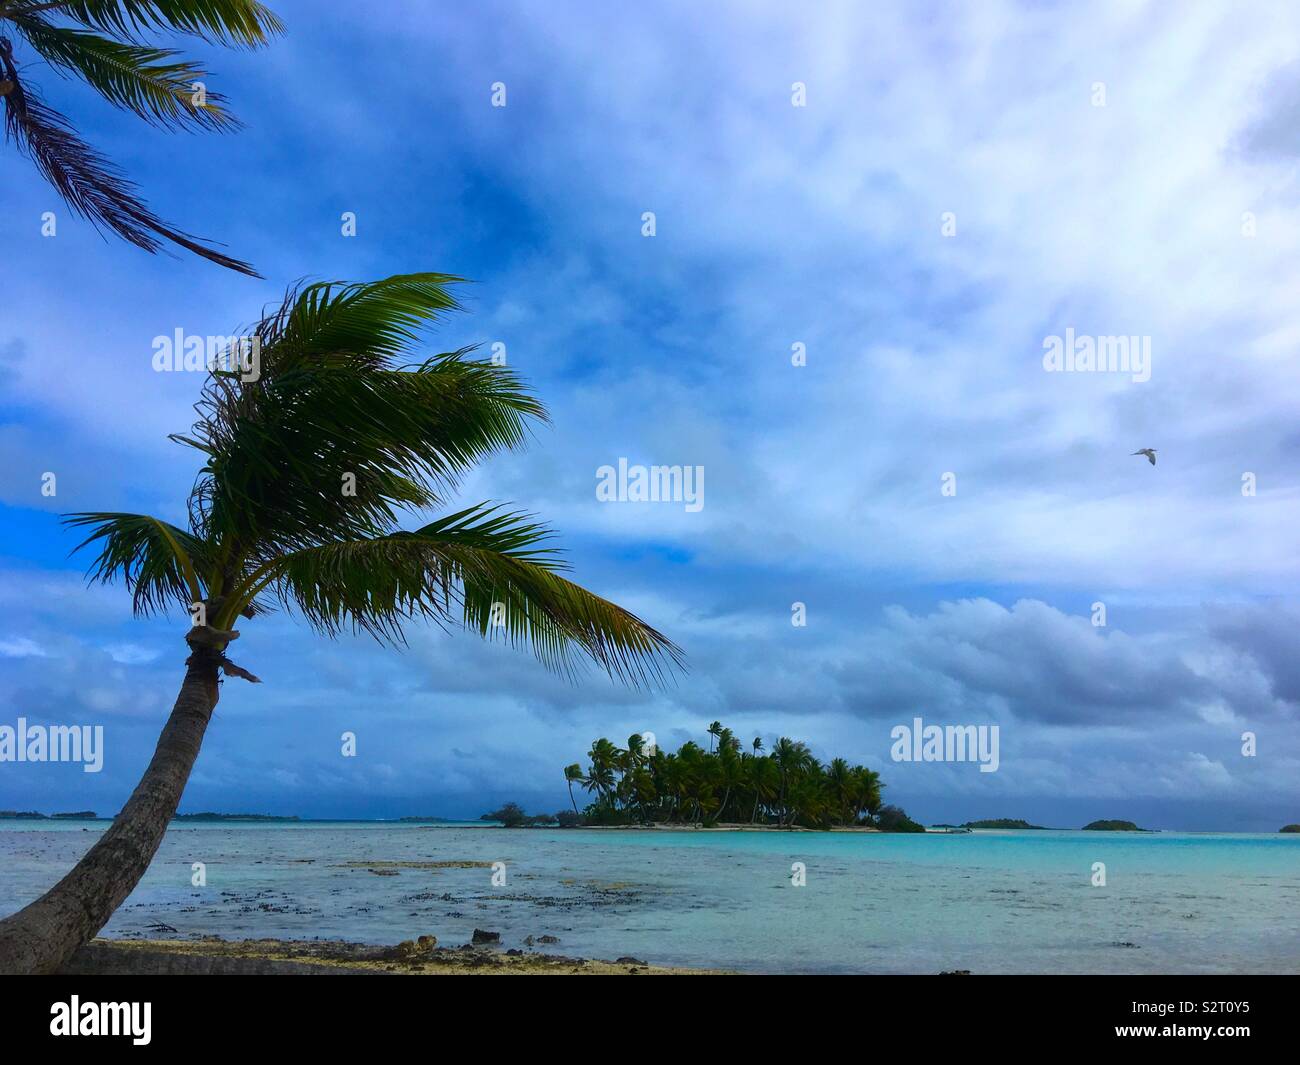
(332, 958)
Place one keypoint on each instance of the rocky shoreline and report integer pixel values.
(262, 957)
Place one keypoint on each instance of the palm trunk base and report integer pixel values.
(42, 936)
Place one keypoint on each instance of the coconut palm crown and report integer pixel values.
(106, 45)
(308, 469)
(313, 451)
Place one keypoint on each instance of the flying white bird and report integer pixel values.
(1149, 452)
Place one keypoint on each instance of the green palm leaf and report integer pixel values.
(375, 319)
(333, 404)
(159, 563)
(402, 435)
(105, 50)
(145, 81)
(229, 22)
(486, 565)
(91, 185)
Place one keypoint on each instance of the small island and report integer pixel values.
(1005, 822)
(729, 786)
(1289, 828)
(1113, 826)
(233, 817)
(512, 815)
(32, 815)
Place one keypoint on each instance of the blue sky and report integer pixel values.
(776, 225)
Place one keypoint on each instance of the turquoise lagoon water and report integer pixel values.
(991, 902)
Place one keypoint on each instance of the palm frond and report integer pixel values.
(482, 566)
(373, 320)
(270, 519)
(91, 185)
(228, 22)
(146, 81)
(160, 564)
(401, 435)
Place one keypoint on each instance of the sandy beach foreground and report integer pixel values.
(211, 957)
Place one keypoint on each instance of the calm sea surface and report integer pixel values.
(989, 902)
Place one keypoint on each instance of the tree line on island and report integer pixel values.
(727, 784)
(788, 787)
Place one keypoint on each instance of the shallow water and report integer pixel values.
(989, 901)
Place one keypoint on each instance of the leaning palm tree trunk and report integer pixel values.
(42, 936)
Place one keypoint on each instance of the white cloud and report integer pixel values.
(20, 647)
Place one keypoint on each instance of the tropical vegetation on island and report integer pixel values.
(106, 45)
(32, 815)
(208, 815)
(306, 467)
(1113, 826)
(512, 815)
(730, 782)
(894, 819)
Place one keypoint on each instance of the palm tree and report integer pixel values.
(604, 757)
(636, 782)
(757, 744)
(730, 775)
(840, 781)
(763, 782)
(641, 791)
(866, 791)
(811, 801)
(268, 522)
(791, 757)
(714, 730)
(672, 784)
(635, 756)
(104, 44)
(573, 775)
(696, 785)
(727, 739)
